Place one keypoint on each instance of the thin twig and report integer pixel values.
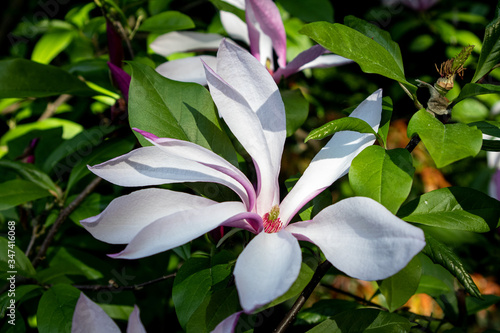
(115, 287)
(414, 141)
(60, 219)
(357, 298)
(290, 316)
(52, 107)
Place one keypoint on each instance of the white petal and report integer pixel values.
(91, 318)
(267, 268)
(151, 166)
(134, 322)
(249, 101)
(362, 238)
(229, 324)
(196, 153)
(334, 159)
(181, 227)
(187, 69)
(264, 21)
(127, 215)
(235, 27)
(185, 41)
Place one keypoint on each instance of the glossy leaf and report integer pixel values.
(18, 191)
(296, 108)
(328, 326)
(446, 143)
(228, 7)
(371, 56)
(56, 307)
(24, 78)
(475, 305)
(385, 120)
(490, 52)
(176, 110)
(215, 308)
(194, 282)
(12, 258)
(386, 176)
(338, 125)
(166, 22)
(488, 127)
(31, 173)
(475, 89)
(398, 288)
(23, 292)
(454, 208)
(442, 255)
(51, 44)
(380, 36)
(371, 321)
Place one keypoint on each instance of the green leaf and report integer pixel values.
(382, 37)
(78, 147)
(386, 176)
(446, 143)
(214, 309)
(371, 321)
(475, 305)
(12, 259)
(338, 125)
(18, 191)
(442, 255)
(488, 127)
(470, 110)
(178, 110)
(325, 308)
(491, 145)
(398, 288)
(490, 52)
(297, 109)
(56, 308)
(309, 11)
(457, 208)
(328, 326)
(22, 293)
(227, 7)
(51, 44)
(475, 89)
(365, 51)
(31, 173)
(194, 282)
(24, 78)
(166, 22)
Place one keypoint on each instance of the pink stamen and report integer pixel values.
(271, 226)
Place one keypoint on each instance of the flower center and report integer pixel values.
(272, 222)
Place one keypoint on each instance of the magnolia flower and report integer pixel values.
(357, 235)
(263, 31)
(91, 318)
(419, 5)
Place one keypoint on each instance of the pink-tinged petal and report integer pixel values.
(121, 78)
(263, 17)
(185, 41)
(127, 215)
(325, 61)
(254, 112)
(194, 152)
(362, 238)
(234, 26)
(134, 322)
(151, 166)
(334, 159)
(229, 324)
(266, 268)
(179, 228)
(91, 318)
(187, 69)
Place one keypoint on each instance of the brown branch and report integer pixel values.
(52, 107)
(290, 316)
(60, 219)
(114, 287)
